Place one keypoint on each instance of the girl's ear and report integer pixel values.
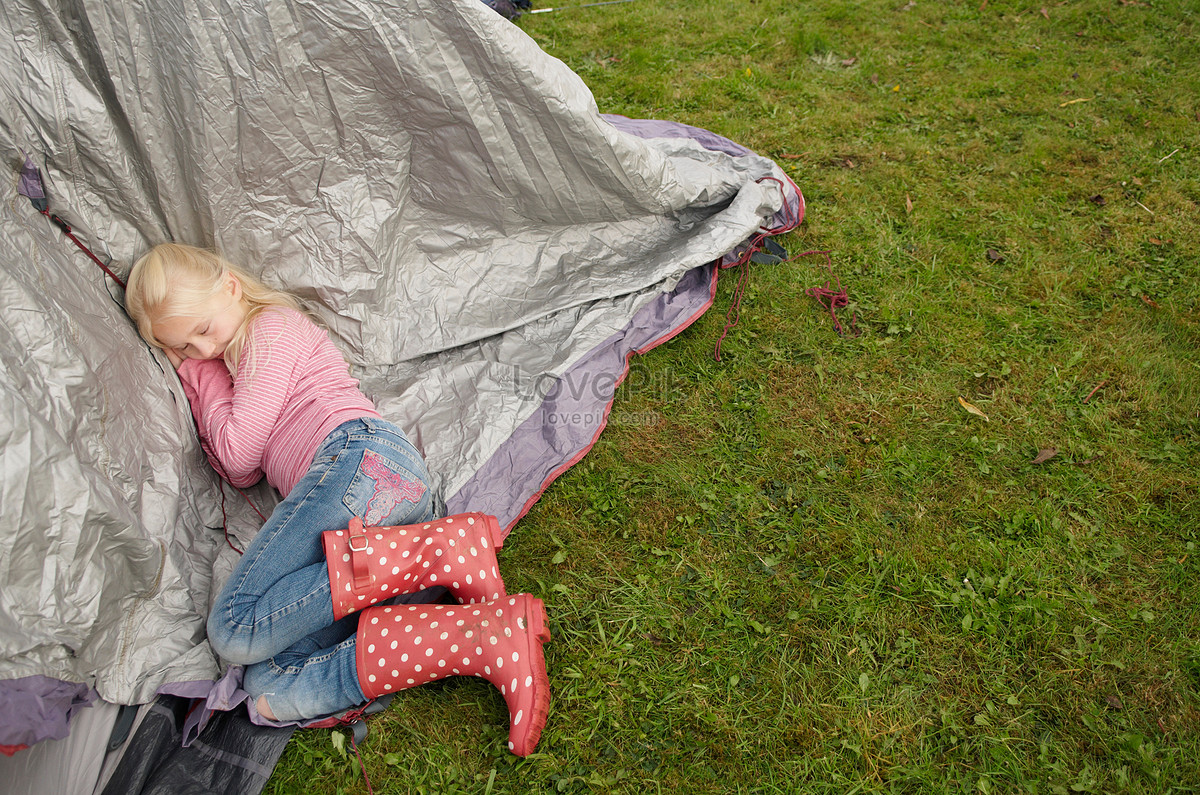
(234, 286)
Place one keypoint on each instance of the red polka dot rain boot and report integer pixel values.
(402, 646)
(370, 564)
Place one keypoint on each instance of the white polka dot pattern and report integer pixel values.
(400, 560)
(511, 629)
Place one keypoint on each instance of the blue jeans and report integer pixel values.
(276, 602)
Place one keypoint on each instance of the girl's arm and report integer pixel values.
(236, 416)
(206, 382)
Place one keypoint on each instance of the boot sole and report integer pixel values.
(535, 614)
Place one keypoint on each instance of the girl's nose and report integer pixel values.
(205, 348)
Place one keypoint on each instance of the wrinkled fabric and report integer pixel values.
(47, 703)
(443, 193)
(231, 756)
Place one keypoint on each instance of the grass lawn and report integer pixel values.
(809, 567)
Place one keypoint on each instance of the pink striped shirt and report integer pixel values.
(292, 388)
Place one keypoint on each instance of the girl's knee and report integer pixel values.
(230, 644)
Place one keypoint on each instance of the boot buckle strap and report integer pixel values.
(360, 565)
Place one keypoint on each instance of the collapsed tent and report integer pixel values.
(486, 248)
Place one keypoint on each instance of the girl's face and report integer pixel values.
(208, 330)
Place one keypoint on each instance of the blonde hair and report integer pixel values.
(174, 280)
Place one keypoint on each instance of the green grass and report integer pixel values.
(807, 568)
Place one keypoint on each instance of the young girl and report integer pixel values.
(306, 607)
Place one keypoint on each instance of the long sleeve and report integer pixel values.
(207, 382)
(237, 417)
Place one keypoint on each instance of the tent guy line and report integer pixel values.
(32, 188)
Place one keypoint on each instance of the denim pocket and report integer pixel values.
(383, 489)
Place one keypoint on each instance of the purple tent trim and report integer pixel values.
(46, 706)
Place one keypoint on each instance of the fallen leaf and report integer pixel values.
(1098, 200)
(875, 81)
(1114, 702)
(791, 157)
(1045, 13)
(850, 62)
(1150, 302)
(1156, 241)
(1045, 454)
(972, 409)
(907, 203)
(994, 255)
(1074, 101)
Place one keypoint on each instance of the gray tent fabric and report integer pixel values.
(574, 405)
(445, 195)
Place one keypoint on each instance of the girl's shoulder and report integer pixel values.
(280, 319)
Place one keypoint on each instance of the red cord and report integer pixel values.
(66, 230)
(790, 222)
(224, 516)
(735, 308)
(246, 497)
(832, 299)
(361, 764)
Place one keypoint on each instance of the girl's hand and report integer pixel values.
(175, 356)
